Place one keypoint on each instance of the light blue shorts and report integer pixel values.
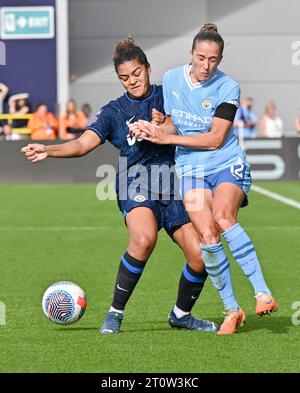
(238, 174)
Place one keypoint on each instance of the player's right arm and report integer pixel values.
(168, 127)
(87, 142)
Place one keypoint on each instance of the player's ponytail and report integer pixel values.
(209, 27)
(209, 32)
(126, 50)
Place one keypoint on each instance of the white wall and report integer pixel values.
(258, 55)
(258, 36)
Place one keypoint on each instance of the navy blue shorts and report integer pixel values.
(169, 213)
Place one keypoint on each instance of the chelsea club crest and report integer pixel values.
(139, 198)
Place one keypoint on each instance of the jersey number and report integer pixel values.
(237, 171)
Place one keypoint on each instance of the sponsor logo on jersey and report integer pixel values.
(131, 139)
(206, 104)
(191, 116)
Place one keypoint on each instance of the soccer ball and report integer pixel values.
(64, 302)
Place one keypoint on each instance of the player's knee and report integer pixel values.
(193, 253)
(142, 245)
(224, 220)
(196, 262)
(207, 232)
(210, 235)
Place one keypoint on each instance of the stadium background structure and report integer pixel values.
(258, 36)
(264, 57)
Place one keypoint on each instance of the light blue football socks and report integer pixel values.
(218, 269)
(244, 253)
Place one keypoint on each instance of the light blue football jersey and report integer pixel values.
(192, 107)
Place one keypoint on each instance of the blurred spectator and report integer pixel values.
(3, 95)
(8, 134)
(43, 124)
(271, 125)
(246, 118)
(297, 124)
(87, 110)
(72, 123)
(19, 105)
(4, 131)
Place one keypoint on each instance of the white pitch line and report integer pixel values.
(272, 227)
(276, 197)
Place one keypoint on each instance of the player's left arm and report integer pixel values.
(214, 139)
(169, 127)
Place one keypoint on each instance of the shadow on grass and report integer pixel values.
(78, 329)
(277, 325)
(133, 327)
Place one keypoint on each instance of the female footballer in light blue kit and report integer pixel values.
(201, 102)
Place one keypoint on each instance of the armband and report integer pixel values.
(226, 111)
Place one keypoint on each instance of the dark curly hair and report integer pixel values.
(126, 50)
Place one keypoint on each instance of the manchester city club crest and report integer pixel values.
(206, 104)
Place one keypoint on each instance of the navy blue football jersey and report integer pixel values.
(112, 124)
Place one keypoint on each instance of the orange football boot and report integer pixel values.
(265, 304)
(233, 319)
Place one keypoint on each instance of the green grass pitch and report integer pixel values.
(50, 233)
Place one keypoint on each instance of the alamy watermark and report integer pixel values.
(2, 53)
(152, 182)
(296, 314)
(2, 314)
(296, 53)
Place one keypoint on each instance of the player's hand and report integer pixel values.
(152, 133)
(157, 117)
(135, 131)
(35, 152)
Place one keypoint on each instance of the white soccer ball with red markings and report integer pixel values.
(64, 302)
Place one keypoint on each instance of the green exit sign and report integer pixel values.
(27, 22)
